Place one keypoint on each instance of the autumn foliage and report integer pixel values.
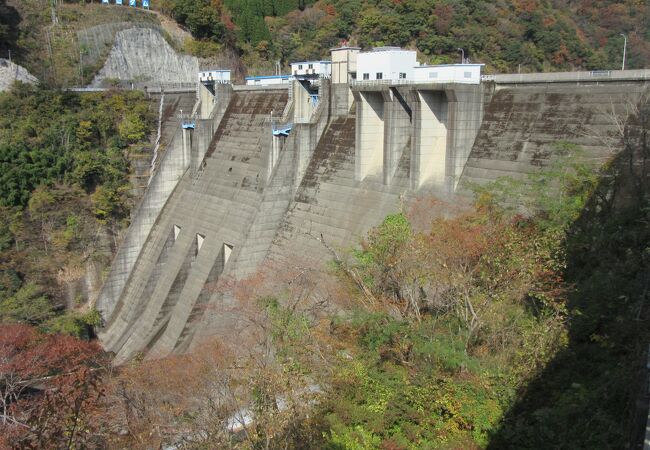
(48, 386)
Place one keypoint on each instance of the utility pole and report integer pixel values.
(55, 20)
(81, 66)
(624, 48)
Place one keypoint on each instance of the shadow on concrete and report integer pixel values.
(594, 393)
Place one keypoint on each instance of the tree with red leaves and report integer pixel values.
(48, 383)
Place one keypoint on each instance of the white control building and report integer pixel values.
(268, 80)
(448, 73)
(311, 69)
(386, 63)
(216, 75)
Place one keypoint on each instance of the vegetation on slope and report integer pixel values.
(507, 36)
(54, 53)
(64, 194)
(486, 330)
(536, 35)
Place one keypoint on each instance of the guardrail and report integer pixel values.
(563, 77)
(370, 83)
(141, 86)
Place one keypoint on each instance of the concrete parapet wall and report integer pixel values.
(271, 87)
(594, 76)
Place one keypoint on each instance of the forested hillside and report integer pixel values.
(64, 196)
(527, 35)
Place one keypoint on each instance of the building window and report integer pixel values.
(380, 76)
(299, 66)
(433, 74)
(366, 76)
(402, 75)
(468, 74)
(311, 66)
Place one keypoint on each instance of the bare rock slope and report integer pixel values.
(10, 72)
(142, 54)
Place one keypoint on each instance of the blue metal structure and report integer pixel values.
(188, 124)
(145, 4)
(282, 130)
(132, 3)
(105, 1)
(118, 2)
(267, 79)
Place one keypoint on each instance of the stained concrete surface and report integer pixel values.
(219, 203)
(523, 126)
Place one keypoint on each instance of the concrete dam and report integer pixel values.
(255, 175)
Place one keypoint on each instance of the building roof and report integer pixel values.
(390, 49)
(345, 47)
(215, 70)
(266, 77)
(448, 65)
(312, 62)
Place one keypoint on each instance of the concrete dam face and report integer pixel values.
(260, 176)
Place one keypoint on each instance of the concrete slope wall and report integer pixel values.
(330, 204)
(170, 168)
(142, 54)
(206, 219)
(523, 125)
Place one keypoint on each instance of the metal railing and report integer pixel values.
(560, 77)
(381, 82)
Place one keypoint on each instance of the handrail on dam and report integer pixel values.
(156, 88)
(564, 77)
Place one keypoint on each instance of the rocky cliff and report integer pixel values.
(142, 54)
(10, 72)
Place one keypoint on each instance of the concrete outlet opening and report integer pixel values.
(370, 136)
(227, 251)
(430, 149)
(199, 242)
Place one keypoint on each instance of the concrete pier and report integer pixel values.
(436, 123)
(369, 148)
(430, 139)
